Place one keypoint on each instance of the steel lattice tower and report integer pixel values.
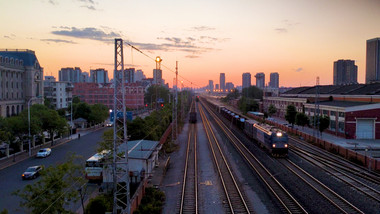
(120, 158)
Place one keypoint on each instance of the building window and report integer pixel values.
(324, 112)
(332, 125)
(21, 62)
(332, 113)
(341, 127)
(1, 59)
(6, 60)
(341, 114)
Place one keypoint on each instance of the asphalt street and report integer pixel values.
(10, 178)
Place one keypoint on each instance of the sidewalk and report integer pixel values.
(21, 156)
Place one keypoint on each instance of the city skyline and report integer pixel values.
(293, 38)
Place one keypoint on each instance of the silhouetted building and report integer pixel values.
(345, 72)
(260, 80)
(99, 75)
(216, 86)
(274, 80)
(222, 82)
(373, 61)
(246, 80)
(211, 85)
(229, 86)
(72, 75)
(139, 75)
(21, 79)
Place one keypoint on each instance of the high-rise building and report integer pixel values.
(345, 72)
(216, 86)
(21, 81)
(157, 76)
(373, 61)
(99, 75)
(58, 93)
(229, 86)
(139, 75)
(211, 85)
(260, 80)
(72, 75)
(222, 82)
(246, 80)
(274, 80)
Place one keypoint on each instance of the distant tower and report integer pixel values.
(260, 80)
(345, 72)
(246, 80)
(157, 76)
(274, 80)
(72, 75)
(373, 61)
(222, 82)
(211, 85)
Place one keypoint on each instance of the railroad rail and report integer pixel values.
(287, 202)
(350, 178)
(335, 199)
(235, 201)
(189, 193)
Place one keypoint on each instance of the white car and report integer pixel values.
(42, 153)
(109, 124)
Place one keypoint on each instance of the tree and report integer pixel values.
(291, 113)
(82, 110)
(252, 92)
(100, 204)
(272, 110)
(324, 123)
(302, 119)
(151, 96)
(54, 191)
(98, 113)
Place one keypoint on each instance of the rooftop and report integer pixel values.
(27, 56)
(354, 89)
(343, 103)
(139, 149)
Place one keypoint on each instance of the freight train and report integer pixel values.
(273, 139)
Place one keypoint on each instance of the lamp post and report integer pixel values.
(71, 116)
(29, 145)
(158, 67)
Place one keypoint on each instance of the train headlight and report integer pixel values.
(274, 145)
(279, 134)
(286, 145)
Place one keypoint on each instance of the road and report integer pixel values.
(10, 178)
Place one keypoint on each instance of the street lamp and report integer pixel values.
(158, 67)
(29, 145)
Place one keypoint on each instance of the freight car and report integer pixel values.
(193, 117)
(274, 140)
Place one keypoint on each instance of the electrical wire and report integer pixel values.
(138, 50)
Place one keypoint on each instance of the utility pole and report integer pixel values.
(120, 170)
(176, 99)
(316, 110)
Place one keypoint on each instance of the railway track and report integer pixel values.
(287, 203)
(336, 161)
(189, 193)
(370, 187)
(335, 199)
(235, 201)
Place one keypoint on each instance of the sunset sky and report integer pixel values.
(299, 39)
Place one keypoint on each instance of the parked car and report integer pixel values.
(42, 153)
(32, 172)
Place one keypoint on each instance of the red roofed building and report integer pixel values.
(93, 93)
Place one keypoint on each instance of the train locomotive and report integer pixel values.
(273, 139)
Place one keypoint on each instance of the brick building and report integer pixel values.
(93, 93)
(354, 110)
